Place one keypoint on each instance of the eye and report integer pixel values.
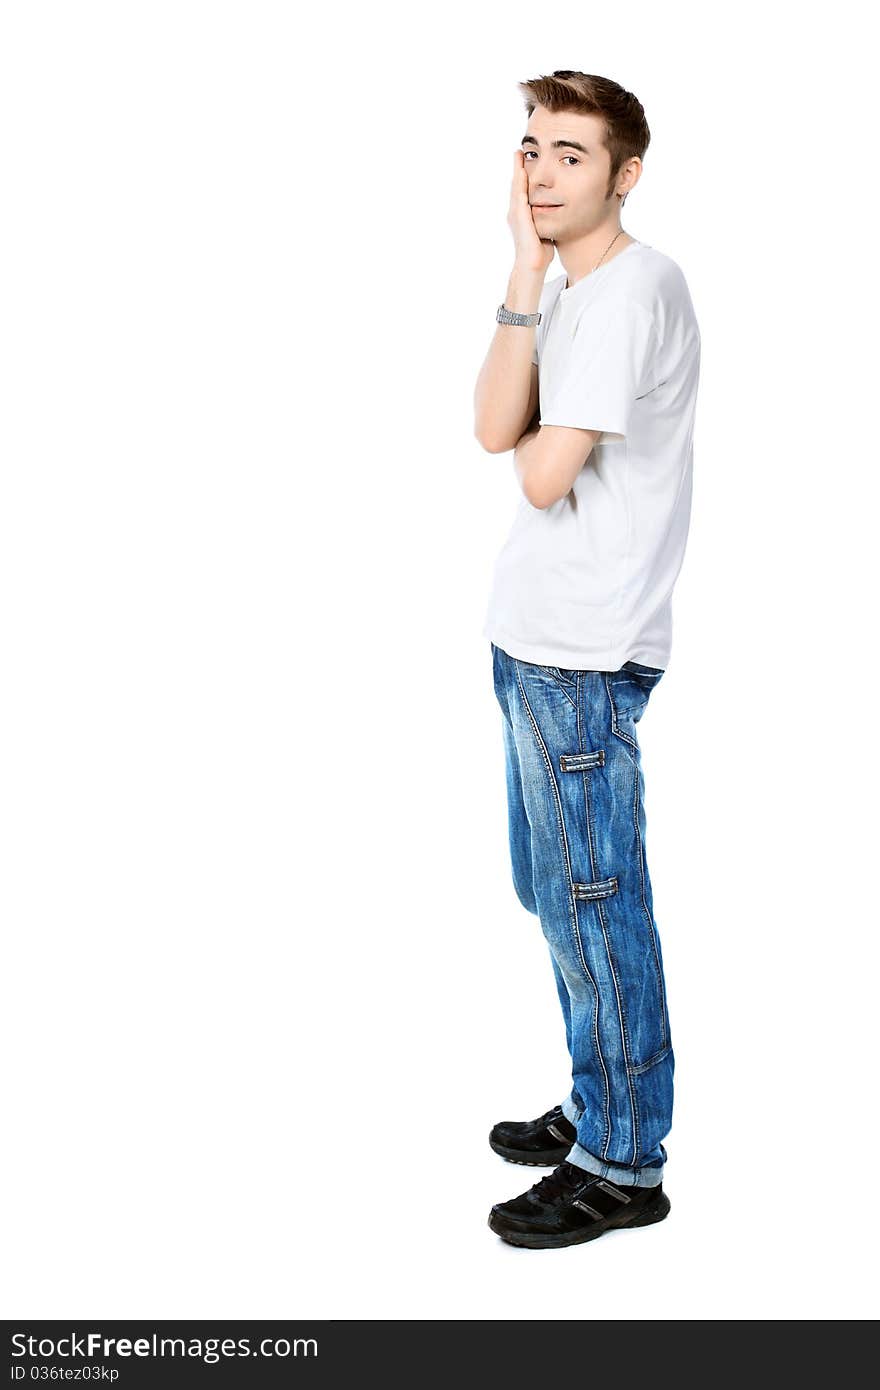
(528, 153)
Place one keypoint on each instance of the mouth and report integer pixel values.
(545, 207)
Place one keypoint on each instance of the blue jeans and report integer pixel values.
(575, 794)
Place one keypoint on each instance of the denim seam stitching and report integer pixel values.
(649, 918)
(661, 991)
(624, 1032)
(571, 901)
(632, 743)
(566, 689)
(624, 1035)
(588, 811)
(652, 1061)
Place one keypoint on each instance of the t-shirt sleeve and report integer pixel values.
(609, 362)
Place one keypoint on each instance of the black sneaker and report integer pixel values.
(571, 1205)
(540, 1143)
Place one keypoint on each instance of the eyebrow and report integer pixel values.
(557, 144)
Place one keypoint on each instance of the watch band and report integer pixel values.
(521, 320)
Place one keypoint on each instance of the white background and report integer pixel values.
(267, 983)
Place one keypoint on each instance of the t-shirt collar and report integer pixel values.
(565, 291)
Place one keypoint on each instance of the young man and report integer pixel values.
(592, 380)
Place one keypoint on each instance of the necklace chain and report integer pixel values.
(607, 249)
(603, 255)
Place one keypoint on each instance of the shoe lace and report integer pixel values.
(556, 1184)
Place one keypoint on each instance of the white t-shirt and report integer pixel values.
(587, 582)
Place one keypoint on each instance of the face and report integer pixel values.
(573, 176)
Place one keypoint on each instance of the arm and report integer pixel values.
(548, 458)
(506, 392)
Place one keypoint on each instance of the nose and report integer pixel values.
(540, 177)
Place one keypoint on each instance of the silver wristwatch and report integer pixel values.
(522, 320)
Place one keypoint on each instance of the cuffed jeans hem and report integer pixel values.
(570, 1111)
(624, 1177)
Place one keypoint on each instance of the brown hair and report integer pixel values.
(626, 129)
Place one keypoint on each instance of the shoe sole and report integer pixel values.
(541, 1158)
(648, 1216)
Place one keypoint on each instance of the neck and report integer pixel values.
(581, 257)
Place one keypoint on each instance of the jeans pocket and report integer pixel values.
(631, 688)
(638, 670)
(562, 673)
